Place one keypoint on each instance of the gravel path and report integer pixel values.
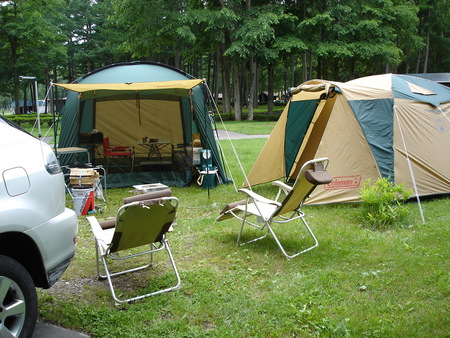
(225, 135)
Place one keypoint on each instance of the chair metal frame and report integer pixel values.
(269, 211)
(107, 245)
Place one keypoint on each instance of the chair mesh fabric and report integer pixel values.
(142, 224)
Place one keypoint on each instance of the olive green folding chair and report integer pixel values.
(140, 230)
(284, 209)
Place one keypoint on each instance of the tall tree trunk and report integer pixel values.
(237, 93)
(352, 68)
(256, 88)
(195, 68)
(226, 85)
(304, 67)
(427, 48)
(15, 79)
(216, 77)
(292, 71)
(417, 63)
(251, 89)
(336, 69)
(56, 102)
(270, 85)
(208, 72)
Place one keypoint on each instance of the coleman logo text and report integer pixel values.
(344, 182)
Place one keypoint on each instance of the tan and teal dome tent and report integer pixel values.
(391, 126)
(132, 104)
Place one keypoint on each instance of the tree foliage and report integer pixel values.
(243, 47)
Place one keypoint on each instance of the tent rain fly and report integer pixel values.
(135, 103)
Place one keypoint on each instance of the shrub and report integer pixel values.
(383, 204)
(28, 120)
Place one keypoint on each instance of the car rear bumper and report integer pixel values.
(54, 274)
(56, 240)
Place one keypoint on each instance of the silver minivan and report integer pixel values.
(37, 231)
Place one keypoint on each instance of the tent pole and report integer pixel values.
(37, 107)
(232, 147)
(410, 166)
(52, 111)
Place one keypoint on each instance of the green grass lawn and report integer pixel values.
(358, 282)
(248, 127)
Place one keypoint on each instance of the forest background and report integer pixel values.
(241, 47)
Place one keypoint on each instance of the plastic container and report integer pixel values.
(83, 201)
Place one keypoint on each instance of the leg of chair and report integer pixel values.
(253, 240)
(97, 262)
(175, 270)
(316, 242)
(173, 288)
(240, 231)
(132, 162)
(165, 245)
(110, 283)
(111, 287)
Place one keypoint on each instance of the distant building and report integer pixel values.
(264, 97)
(42, 106)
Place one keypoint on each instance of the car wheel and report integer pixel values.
(18, 300)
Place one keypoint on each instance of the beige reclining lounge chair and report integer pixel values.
(268, 212)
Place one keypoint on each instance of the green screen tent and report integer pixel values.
(127, 102)
(390, 126)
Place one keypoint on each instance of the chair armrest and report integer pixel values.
(282, 185)
(118, 147)
(99, 234)
(259, 198)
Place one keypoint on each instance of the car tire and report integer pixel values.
(18, 300)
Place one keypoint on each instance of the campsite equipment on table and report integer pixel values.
(83, 181)
(127, 101)
(383, 126)
(144, 188)
(83, 177)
